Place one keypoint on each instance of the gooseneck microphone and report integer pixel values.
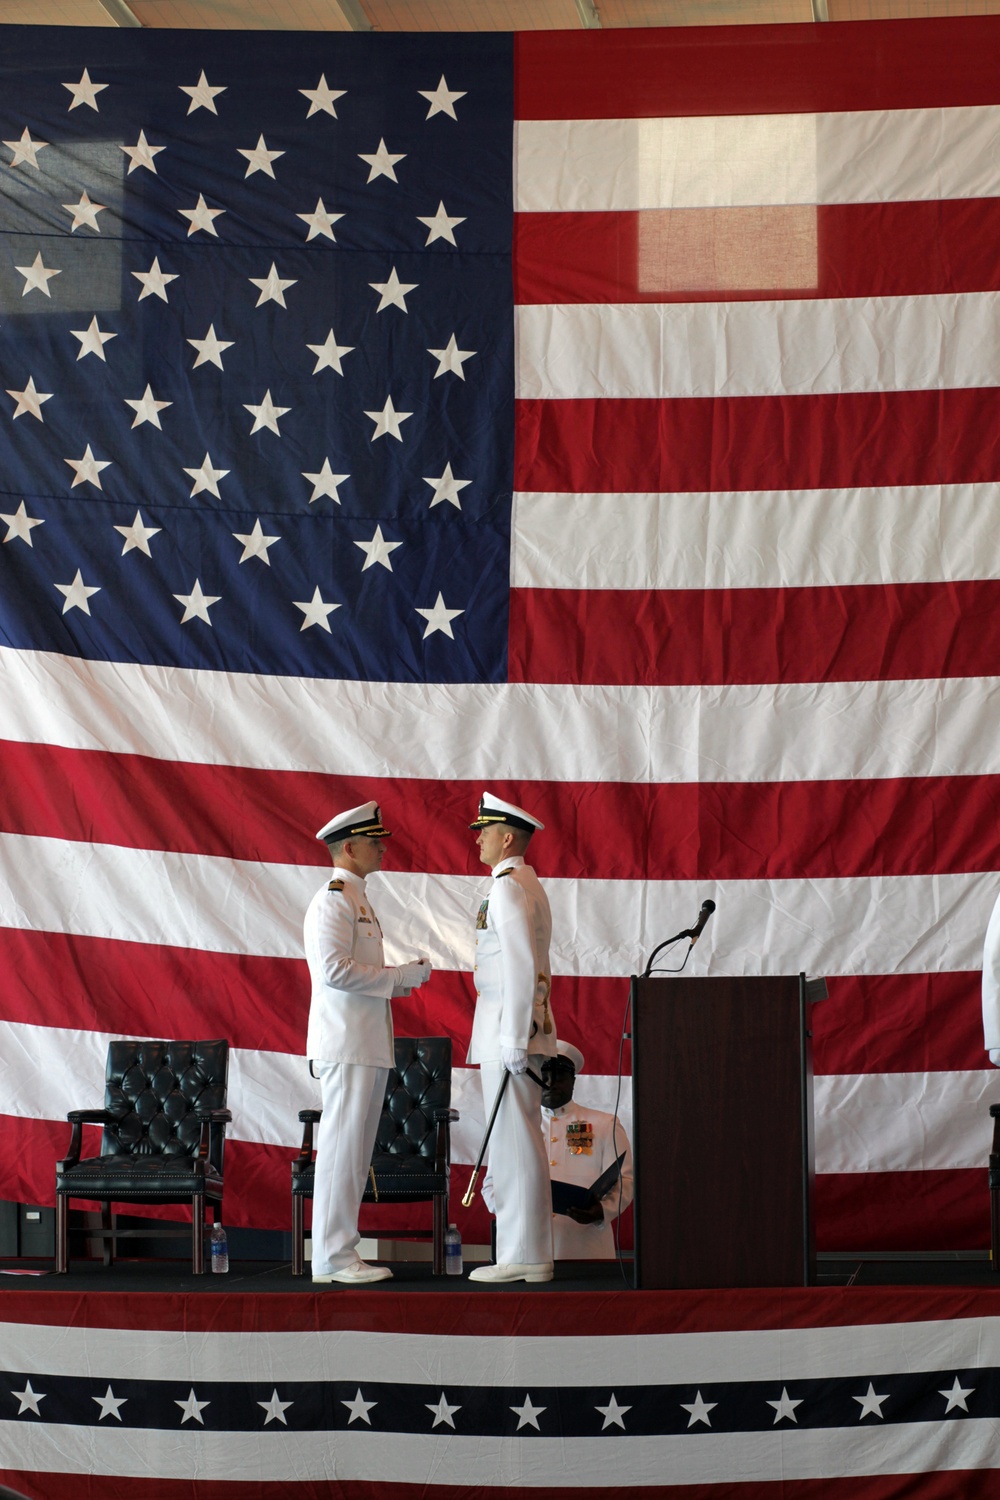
(693, 933)
(707, 908)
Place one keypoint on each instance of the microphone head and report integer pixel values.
(708, 906)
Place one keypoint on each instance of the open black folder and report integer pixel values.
(567, 1195)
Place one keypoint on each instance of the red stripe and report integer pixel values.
(709, 70)
(691, 636)
(682, 831)
(904, 1210)
(900, 1023)
(704, 254)
(837, 441)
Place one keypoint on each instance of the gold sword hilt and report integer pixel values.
(470, 1191)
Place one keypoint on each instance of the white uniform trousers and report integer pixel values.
(519, 1166)
(352, 1096)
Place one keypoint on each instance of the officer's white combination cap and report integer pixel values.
(566, 1049)
(356, 821)
(495, 810)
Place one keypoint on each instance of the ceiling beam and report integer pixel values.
(120, 12)
(354, 14)
(589, 14)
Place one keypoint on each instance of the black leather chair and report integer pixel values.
(411, 1162)
(164, 1121)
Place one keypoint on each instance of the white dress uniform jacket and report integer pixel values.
(991, 981)
(572, 1241)
(350, 1019)
(513, 975)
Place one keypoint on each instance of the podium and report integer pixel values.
(723, 1131)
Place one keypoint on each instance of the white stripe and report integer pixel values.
(756, 539)
(875, 156)
(904, 1122)
(724, 349)
(550, 733)
(912, 924)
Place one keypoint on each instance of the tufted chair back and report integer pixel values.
(153, 1090)
(417, 1086)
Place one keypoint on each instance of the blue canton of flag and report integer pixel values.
(256, 339)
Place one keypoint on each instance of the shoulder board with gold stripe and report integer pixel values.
(335, 885)
(510, 871)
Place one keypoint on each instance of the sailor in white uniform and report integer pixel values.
(581, 1144)
(991, 986)
(512, 1030)
(349, 1041)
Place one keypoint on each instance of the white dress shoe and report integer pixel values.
(540, 1271)
(357, 1275)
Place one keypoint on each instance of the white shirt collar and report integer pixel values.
(356, 880)
(512, 862)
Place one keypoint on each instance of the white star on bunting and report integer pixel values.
(359, 1409)
(259, 159)
(196, 607)
(256, 544)
(147, 408)
(440, 618)
(329, 354)
(137, 536)
(271, 288)
(388, 421)
(29, 400)
(202, 94)
(275, 1409)
(201, 217)
(613, 1414)
(154, 281)
(871, 1405)
(88, 469)
(142, 154)
(36, 276)
(19, 525)
(447, 487)
(527, 1414)
(209, 348)
(320, 222)
(77, 593)
(192, 1407)
(377, 551)
(393, 292)
(955, 1397)
(316, 612)
(442, 1412)
(382, 163)
(699, 1410)
(84, 212)
(440, 226)
(325, 483)
(321, 98)
(451, 359)
(785, 1407)
(109, 1402)
(266, 414)
(85, 92)
(92, 340)
(25, 149)
(29, 1399)
(206, 478)
(441, 100)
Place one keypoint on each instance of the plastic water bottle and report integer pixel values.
(220, 1250)
(453, 1252)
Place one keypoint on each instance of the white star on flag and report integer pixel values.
(29, 1399)
(329, 354)
(393, 292)
(147, 408)
(142, 154)
(154, 281)
(84, 212)
(266, 414)
(440, 226)
(442, 99)
(202, 94)
(92, 340)
(206, 478)
(377, 551)
(192, 1407)
(271, 288)
(871, 1405)
(108, 1401)
(88, 469)
(359, 1409)
(613, 1414)
(77, 593)
(382, 163)
(25, 149)
(320, 222)
(256, 544)
(19, 525)
(29, 400)
(209, 348)
(440, 618)
(388, 420)
(955, 1397)
(202, 217)
(275, 1409)
(446, 487)
(322, 98)
(137, 536)
(259, 159)
(527, 1414)
(451, 358)
(325, 483)
(85, 92)
(36, 276)
(442, 1412)
(196, 607)
(699, 1410)
(316, 612)
(785, 1407)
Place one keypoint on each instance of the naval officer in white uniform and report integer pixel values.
(512, 1030)
(581, 1144)
(349, 1041)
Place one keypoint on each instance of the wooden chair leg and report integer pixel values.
(62, 1246)
(440, 1229)
(107, 1234)
(298, 1235)
(198, 1236)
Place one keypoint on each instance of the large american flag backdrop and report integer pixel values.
(609, 419)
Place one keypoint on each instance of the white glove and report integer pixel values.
(514, 1059)
(995, 1056)
(414, 973)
